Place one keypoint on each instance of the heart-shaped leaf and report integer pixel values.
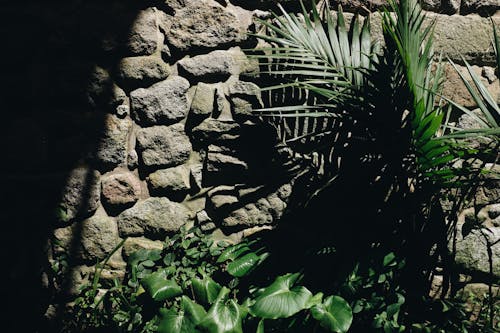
(281, 299)
(159, 288)
(334, 314)
(206, 290)
(244, 265)
(183, 322)
(224, 316)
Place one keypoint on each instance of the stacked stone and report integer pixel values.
(181, 99)
(176, 148)
(463, 7)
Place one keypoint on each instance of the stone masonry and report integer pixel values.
(175, 148)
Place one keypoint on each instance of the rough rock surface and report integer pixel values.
(163, 103)
(165, 146)
(212, 130)
(153, 217)
(484, 7)
(203, 101)
(112, 147)
(144, 35)
(221, 160)
(99, 236)
(265, 210)
(472, 250)
(212, 67)
(171, 180)
(217, 65)
(454, 88)
(244, 97)
(133, 244)
(135, 72)
(80, 196)
(204, 24)
(121, 189)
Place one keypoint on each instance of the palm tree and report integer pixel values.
(374, 116)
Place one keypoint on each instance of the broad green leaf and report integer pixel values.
(334, 314)
(206, 290)
(194, 310)
(281, 299)
(173, 322)
(224, 316)
(159, 288)
(244, 265)
(234, 251)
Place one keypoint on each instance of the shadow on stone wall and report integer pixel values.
(53, 103)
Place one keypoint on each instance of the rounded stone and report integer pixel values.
(80, 196)
(165, 146)
(135, 72)
(144, 35)
(121, 189)
(112, 146)
(134, 244)
(153, 218)
(171, 180)
(163, 103)
(99, 237)
(205, 24)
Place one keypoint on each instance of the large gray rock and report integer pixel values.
(217, 65)
(472, 250)
(205, 24)
(172, 180)
(163, 103)
(99, 236)
(121, 189)
(134, 244)
(244, 97)
(464, 37)
(212, 67)
(212, 130)
(135, 72)
(153, 217)
(163, 146)
(112, 147)
(144, 35)
(80, 196)
(203, 101)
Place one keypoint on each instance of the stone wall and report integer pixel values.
(161, 135)
(178, 144)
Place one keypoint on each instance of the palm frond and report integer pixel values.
(322, 51)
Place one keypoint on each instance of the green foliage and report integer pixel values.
(175, 290)
(389, 102)
(281, 299)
